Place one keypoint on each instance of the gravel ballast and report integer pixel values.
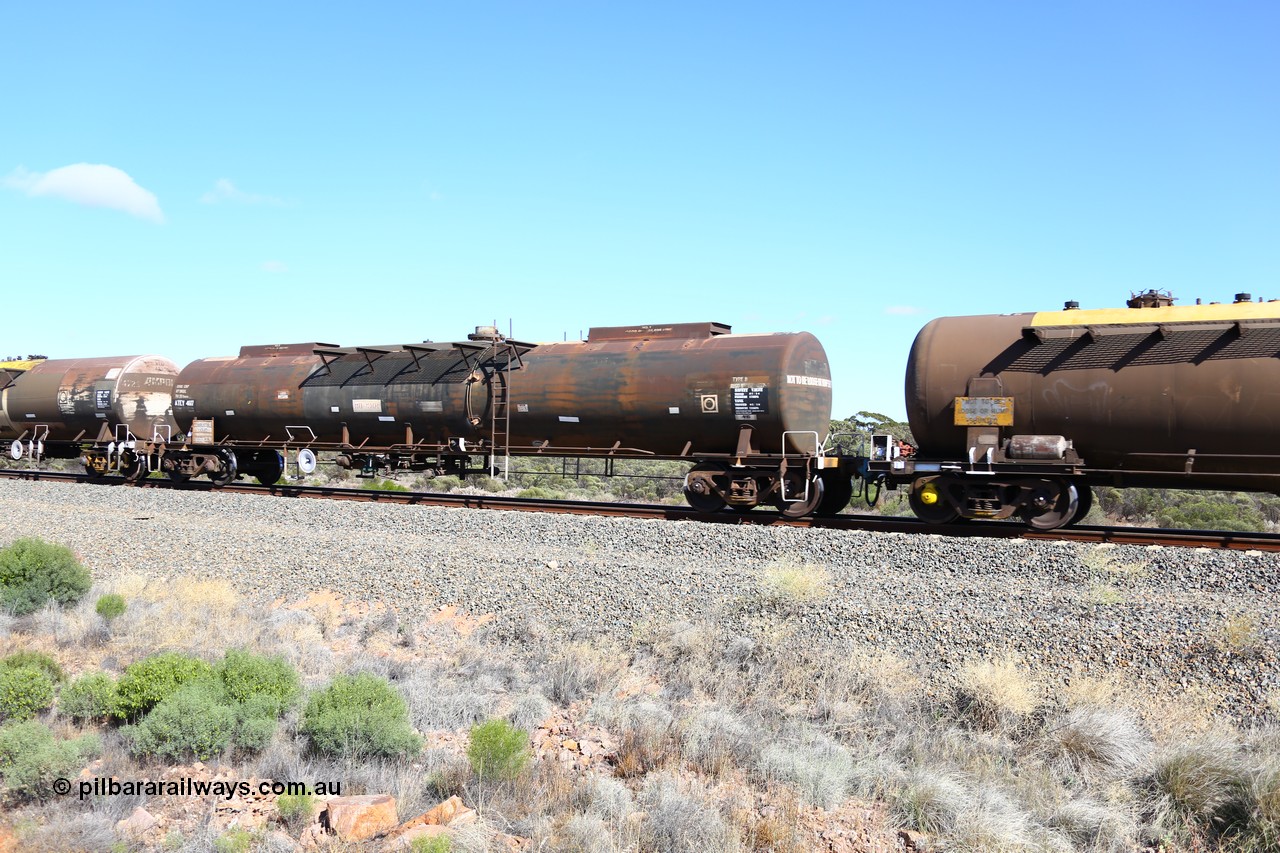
(1170, 618)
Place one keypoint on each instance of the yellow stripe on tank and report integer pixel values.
(17, 365)
(1170, 314)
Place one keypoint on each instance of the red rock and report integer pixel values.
(451, 811)
(362, 818)
(404, 840)
(137, 823)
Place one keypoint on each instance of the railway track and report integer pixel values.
(881, 524)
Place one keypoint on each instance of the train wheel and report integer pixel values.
(928, 504)
(1053, 504)
(229, 469)
(1086, 504)
(799, 509)
(699, 491)
(837, 491)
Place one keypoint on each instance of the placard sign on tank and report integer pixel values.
(750, 399)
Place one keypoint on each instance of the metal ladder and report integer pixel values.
(499, 422)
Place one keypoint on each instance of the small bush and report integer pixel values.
(40, 660)
(24, 692)
(151, 680)
(487, 483)
(360, 715)
(498, 750)
(31, 758)
(296, 809)
(192, 721)
(269, 681)
(110, 606)
(33, 572)
(90, 697)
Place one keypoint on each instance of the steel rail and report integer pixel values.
(1217, 539)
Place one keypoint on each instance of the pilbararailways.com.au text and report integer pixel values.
(186, 787)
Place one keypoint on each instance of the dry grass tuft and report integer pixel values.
(929, 801)
(1199, 782)
(992, 695)
(789, 583)
(991, 821)
(1102, 560)
(717, 740)
(681, 816)
(1090, 743)
(1240, 635)
(819, 767)
(583, 669)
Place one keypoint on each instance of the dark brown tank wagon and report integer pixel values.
(58, 405)
(1019, 414)
(751, 412)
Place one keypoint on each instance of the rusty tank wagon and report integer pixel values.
(750, 412)
(49, 407)
(1020, 414)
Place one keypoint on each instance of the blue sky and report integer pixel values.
(184, 181)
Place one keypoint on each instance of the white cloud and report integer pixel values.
(275, 266)
(224, 190)
(902, 310)
(90, 184)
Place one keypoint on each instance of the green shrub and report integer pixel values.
(359, 715)
(31, 758)
(24, 692)
(487, 483)
(246, 676)
(90, 697)
(192, 721)
(110, 606)
(235, 703)
(40, 660)
(431, 844)
(255, 722)
(33, 571)
(447, 483)
(296, 809)
(386, 486)
(235, 841)
(149, 681)
(498, 749)
(540, 493)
